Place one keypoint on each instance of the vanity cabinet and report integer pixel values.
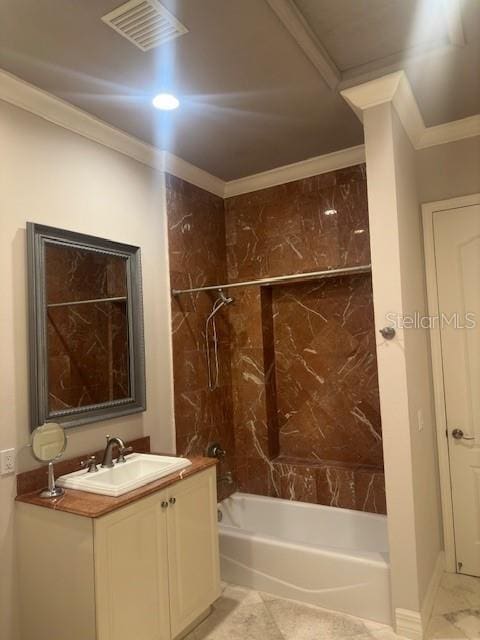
(146, 571)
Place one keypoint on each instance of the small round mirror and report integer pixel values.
(48, 442)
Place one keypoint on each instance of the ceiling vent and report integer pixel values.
(146, 23)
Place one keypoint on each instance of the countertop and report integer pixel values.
(93, 505)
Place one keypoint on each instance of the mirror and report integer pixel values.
(48, 444)
(86, 327)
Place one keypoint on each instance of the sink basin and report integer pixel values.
(138, 469)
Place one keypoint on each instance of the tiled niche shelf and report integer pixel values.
(322, 403)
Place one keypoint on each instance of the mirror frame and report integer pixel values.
(37, 237)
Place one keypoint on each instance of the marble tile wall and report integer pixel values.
(196, 232)
(285, 229)
(304, 373)
(326, 374)
(298, 408)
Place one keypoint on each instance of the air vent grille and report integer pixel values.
(146, 23)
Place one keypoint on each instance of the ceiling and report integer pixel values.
(256, 91)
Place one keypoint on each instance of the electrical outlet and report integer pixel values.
(7, 461)
(420, 421)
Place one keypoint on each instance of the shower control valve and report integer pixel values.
(214, 450)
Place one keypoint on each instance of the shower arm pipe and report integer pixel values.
(295, 277)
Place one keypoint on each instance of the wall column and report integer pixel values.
(391, 122)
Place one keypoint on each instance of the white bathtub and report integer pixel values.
(330, 557)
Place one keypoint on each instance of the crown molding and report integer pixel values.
(47, 106)
(295, 23)
(391, 88)
(190, 173)
(44, 105)
(372, 93)
(450, 132)
(296, 171)
(395, 88)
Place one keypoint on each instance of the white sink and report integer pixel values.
(137, 470)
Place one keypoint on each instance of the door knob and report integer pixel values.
(172, 501)
(164, 504)
(459, 435)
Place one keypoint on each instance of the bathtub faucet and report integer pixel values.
(227, 478)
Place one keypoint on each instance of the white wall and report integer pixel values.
(449, 170)
(387, 298)
(55, 177)
(428, 523)
(405, 378)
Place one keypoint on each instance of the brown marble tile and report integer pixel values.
(196, 232)
(320, 403)
(245, 318)
(295, 482)
(331, 483)
(254, 475)
(92, 505)
(270, 372)
(370, 491)
(299, 401)
(285, 229)
(325, 360)
(336, 486)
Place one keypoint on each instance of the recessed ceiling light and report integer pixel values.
(165, 102)
(330, 212)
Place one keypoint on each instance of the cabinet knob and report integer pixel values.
(164, 504)
(172, 501)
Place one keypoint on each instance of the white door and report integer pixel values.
(192, 549)
(457, 257)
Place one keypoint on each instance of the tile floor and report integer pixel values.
(242, 614)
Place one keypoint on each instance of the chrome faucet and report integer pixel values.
(214, 450)
(90, 464)
(227, 478)
(122, 450)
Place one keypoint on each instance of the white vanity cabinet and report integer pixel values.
(146, 571)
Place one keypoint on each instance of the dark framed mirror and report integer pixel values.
(87, 356)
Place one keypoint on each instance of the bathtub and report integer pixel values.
(329, 557)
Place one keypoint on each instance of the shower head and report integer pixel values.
(225, 299)
(221, 301)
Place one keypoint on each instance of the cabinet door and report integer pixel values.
(192, 549)
(131, 572)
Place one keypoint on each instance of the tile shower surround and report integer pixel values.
(298, 407)
(196, 230)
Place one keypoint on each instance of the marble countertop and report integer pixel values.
(93, 505)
